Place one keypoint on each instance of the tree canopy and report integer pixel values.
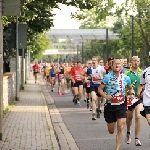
(38, 15)
(120, 16)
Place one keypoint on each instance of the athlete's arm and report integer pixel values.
(131, 92)
(102, 93)
(140, 88)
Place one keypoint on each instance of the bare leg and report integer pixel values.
(138, 119)
(120, 132)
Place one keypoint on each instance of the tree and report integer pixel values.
(40, 44)
(105, 10)
(39, 17)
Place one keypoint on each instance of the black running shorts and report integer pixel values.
(113, 112)
(96, 91)
(72, 84)
(147, 109)
(84, 85)
(88, 90)
(135, 104)
(77, 84)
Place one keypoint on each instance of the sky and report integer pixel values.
(62, 19)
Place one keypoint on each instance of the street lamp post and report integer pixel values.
(106, 44)
(133, 51)
(77, 52)
(82, 51)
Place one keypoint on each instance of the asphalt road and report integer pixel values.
(93, 135)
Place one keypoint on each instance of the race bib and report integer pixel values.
(78, 77)
(36, 70)
(117, 100)
(95, 80)
(53, 78)
(61, 76)
(88, 84)
(131, 102)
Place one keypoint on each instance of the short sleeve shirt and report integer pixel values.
(96, 72)
(112, 84)
(135, 78)
(145, 79)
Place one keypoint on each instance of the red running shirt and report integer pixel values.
(36, 68)
(76, 73)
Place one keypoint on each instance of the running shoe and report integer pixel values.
(90, 108)
(78, 103)
(84, 100)
(93, 117)
(128, 139)
(59, 93)
(97, 113)
(51, 90)
(75, 100)
(88, 105)
(62, 93)
(137, 142)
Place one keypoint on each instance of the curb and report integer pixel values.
(64, 138)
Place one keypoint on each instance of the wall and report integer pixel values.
(9, 87)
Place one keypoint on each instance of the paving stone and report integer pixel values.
(27, 125)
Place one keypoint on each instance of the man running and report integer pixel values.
(52, 77)
(74, 65)
(134, 73)
(109, 67)
(96, 73)
(77, 79)
(87, 84)
(115, 84)
(67, 77)
(36, 69)
(61, 82)
(145, 82)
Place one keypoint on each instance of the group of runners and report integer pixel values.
(123, 88)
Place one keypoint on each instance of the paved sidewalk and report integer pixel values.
(28, 126)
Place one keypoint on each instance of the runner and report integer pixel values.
(74, 65)
(134, 73)
(43, 69)
(96, 73)
(52, 77)
(115, 84)
(36, 70)
(77, 79)
(101, 62)
(125, 65)
(145, 83)
(67, 77)
(87, 85)
(60, 72)
(109, 67)
(46, 72)
(84, 83)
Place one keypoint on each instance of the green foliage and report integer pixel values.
(40, 43)
(9, 107)
(120, 15)
(38, 16)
